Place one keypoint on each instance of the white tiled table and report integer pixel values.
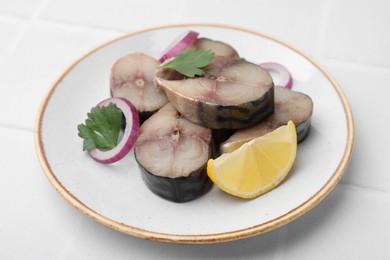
(40, 38)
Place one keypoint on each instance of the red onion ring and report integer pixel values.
(180, 45)
(285, 78)
(129, 134)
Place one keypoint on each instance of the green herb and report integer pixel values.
(191, 62)
(102, 127)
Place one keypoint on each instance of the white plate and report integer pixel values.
(115, 195)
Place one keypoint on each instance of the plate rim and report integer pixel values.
(197, 238)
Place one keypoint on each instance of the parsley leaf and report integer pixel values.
(102, 128)
(190, 62)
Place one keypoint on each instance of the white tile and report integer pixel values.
(357, 31)
(20, 8)
(286, 20)
(33, 215)
(95, 242)
(41, 55)
(367, 91)
(340, 227)
(349, 224)
(116, 14)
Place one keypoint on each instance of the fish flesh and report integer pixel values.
(132, 78)
(172, 153)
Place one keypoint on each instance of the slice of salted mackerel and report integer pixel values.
(289, 105)
(132, 78)
(218, 47)
(172, 153)
(233, 94)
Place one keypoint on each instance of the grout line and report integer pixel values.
(353, 64)
(364, 188)
(40, 9)
(15, 42)
(82, 26)
(26, 24)
(16, 127)
(20, 18)
(71, 236)
(323, 27)
(73, 25)
(36, 16)
(13, 18)
(282, 237)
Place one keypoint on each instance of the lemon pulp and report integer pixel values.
(257, 166)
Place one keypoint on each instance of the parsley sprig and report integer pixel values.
(191, 62)
(101, 129)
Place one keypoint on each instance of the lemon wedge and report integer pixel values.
(257, 166)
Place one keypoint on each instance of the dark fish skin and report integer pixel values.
(217, 116)
(180, 189)
(218, 137)
(303, 130)
(144, 115)
(234, 117)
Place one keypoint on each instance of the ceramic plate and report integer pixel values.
(114, 195)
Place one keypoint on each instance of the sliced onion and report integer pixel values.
(284, 76)
(129, 134)
(180, 45)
